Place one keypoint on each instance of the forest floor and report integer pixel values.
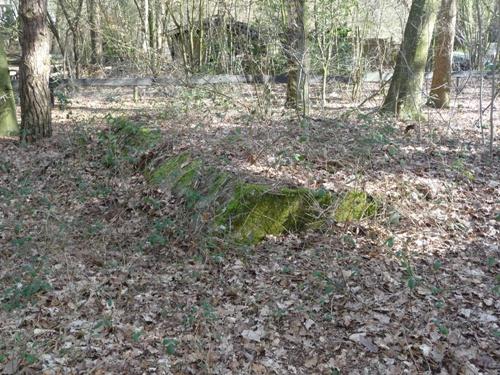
(89, 285)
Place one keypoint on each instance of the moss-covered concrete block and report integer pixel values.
(145, 138)
(256, 211)
(250, 212)
(133, 136)
(355, 205)
(178, 172)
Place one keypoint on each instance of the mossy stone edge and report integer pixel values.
(250, 212)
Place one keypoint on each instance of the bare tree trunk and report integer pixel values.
(55, 33)
(34, 71)
(95, 32)
(146, 41)
(494, 92)
(297, 94)
(480, 58)
(73, 25)
(151, 25)
(443, 55)
(404, 95)
(8, 121)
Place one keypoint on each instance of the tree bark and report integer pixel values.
(146, 40)
(34, 71)
(297, 93)
(443, 55)
(8, 121)
(404, 96)
(95, 32)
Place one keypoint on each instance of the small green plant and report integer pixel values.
(411, 279)
(190, 318)
(209, 312)
(95, 228)
(170, 345)
(496, 289)
(159, 237)
(437, 265)
(442, 329)
(390, 242)
(30, 359)
(20, 241)
(124, 140)
(460, 167)
(103, 325)
(156, 239)
(5, 166)
(136, 336)
(24, 291)
(436, 290)
(439, 304)
(63, 100)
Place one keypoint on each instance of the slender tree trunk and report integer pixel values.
(145, 42)
(324, 78)
(496, 36)
(404, 95)
(480, 59)
(151, 25)
(8, 121)
(73, 25)
(297, 93)
(34, 71)
(55, 33)
(95, 32)
(443, 54)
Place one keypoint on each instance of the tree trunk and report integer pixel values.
(34, 71)
(55, 33)
(146, 41)
(297, 93)
(8, 121)
(404, 96)
(74, 27)
(151, 26)
(95, 32)
(443, 55)
(495, 35)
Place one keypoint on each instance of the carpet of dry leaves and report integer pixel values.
(98, 277)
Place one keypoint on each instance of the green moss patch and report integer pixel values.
(188, 178)
(132, 136)
(355, 205)
(250, 212)
(178, 172)
(124, 140)
(256, 211)
(138, 139)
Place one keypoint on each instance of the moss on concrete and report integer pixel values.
(132, 136)
(178, 172)
(145, 138)
(250, 212)
(256, 211)
(355, 205)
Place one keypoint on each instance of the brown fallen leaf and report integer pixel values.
(366, 342)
